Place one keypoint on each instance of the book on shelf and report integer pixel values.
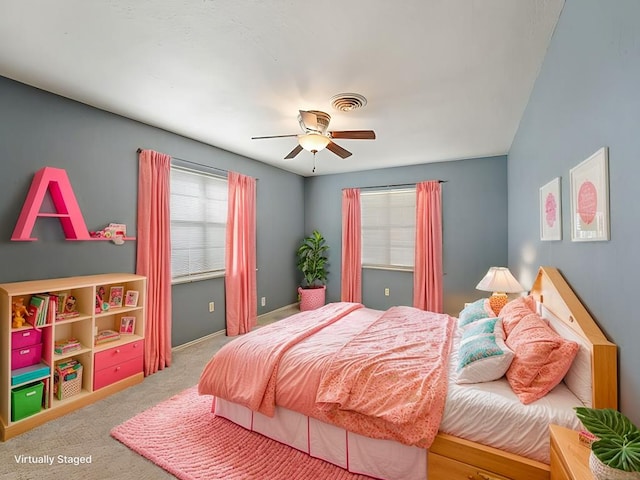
(105, 336)
(67, 307)
(61, 299)
(53, 308)
(65, 346)
(42, 319)
(66, 315)
(33, 314)
(38, 307)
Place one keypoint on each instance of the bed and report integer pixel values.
(459, 446)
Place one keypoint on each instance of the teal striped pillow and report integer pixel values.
(482, 354)
(475, 311)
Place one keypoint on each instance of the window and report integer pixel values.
(388, 225)
(198, 224)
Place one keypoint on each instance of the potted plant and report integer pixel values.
(312, 262)
(615, 454)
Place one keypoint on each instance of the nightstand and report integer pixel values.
(569, 458)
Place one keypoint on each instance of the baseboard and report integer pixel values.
(279, 309)
(198, 340)
(223, 332)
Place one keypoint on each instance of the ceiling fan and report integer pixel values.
(316, 137)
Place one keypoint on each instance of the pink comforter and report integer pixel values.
(383, 375)
(390, 380)
(244, 371)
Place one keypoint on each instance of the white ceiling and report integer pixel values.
(444, 79)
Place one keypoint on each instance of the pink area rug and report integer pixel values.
(182, 436)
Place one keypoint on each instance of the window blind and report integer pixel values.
(388, 228)
(198, 224)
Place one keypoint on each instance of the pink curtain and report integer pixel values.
(427, 275)
(351, 282)
(240, 275)
(154, 256)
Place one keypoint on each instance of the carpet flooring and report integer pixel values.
(183, 437)
(85, 432)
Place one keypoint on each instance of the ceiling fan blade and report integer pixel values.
(275, 136)
(354, 134)
(309, 120)
(294, 152)
(338, 150)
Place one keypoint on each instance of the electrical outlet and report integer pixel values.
(386, 292)
(212, 306)
(263, 301)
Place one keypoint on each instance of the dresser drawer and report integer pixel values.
(119, 354)
(115, 373)
(444, 468)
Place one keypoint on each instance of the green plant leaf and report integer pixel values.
(312, 259)
(618, 444)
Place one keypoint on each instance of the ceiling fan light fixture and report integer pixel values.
(313, 142)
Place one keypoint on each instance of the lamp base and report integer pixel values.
(497, 301)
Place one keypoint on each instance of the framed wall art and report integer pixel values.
(589, 181)
(115, 296)
(551, 211)
(131, 298)
(127, 325)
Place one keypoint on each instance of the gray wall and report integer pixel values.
(587, 96)
(474, 204)
(98, 151)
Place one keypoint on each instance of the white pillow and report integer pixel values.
(483, 355)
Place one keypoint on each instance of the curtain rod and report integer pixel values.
(222, 170)
(395, 185)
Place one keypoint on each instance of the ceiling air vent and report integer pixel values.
(345, 102)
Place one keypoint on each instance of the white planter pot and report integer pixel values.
(605, 472)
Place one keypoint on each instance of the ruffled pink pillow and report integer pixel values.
(515, 310)
(542, 358)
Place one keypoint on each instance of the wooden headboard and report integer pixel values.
(552, 290)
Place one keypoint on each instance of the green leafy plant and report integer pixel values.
(313, 260)
(618, 444)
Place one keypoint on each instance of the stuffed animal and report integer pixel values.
(19, 311)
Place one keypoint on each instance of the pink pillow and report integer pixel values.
(542, 358)
(515, 310)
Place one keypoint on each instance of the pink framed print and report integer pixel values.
(551, 211)
(589, 182)
(115, 296)
(131, 298)
(127, 325)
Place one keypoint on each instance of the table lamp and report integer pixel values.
(500, 281)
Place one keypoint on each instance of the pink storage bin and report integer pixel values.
(25, 338)
(25, 356)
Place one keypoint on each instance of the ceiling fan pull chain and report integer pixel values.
(314, 163)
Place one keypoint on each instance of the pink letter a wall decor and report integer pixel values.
(67, 210)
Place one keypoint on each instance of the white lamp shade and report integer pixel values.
(499, 279)
(313, 142)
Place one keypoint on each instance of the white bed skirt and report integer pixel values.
(384, 459)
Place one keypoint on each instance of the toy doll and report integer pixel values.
(19, 312)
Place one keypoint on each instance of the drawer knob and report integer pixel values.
(118, 350)
(117, 369)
